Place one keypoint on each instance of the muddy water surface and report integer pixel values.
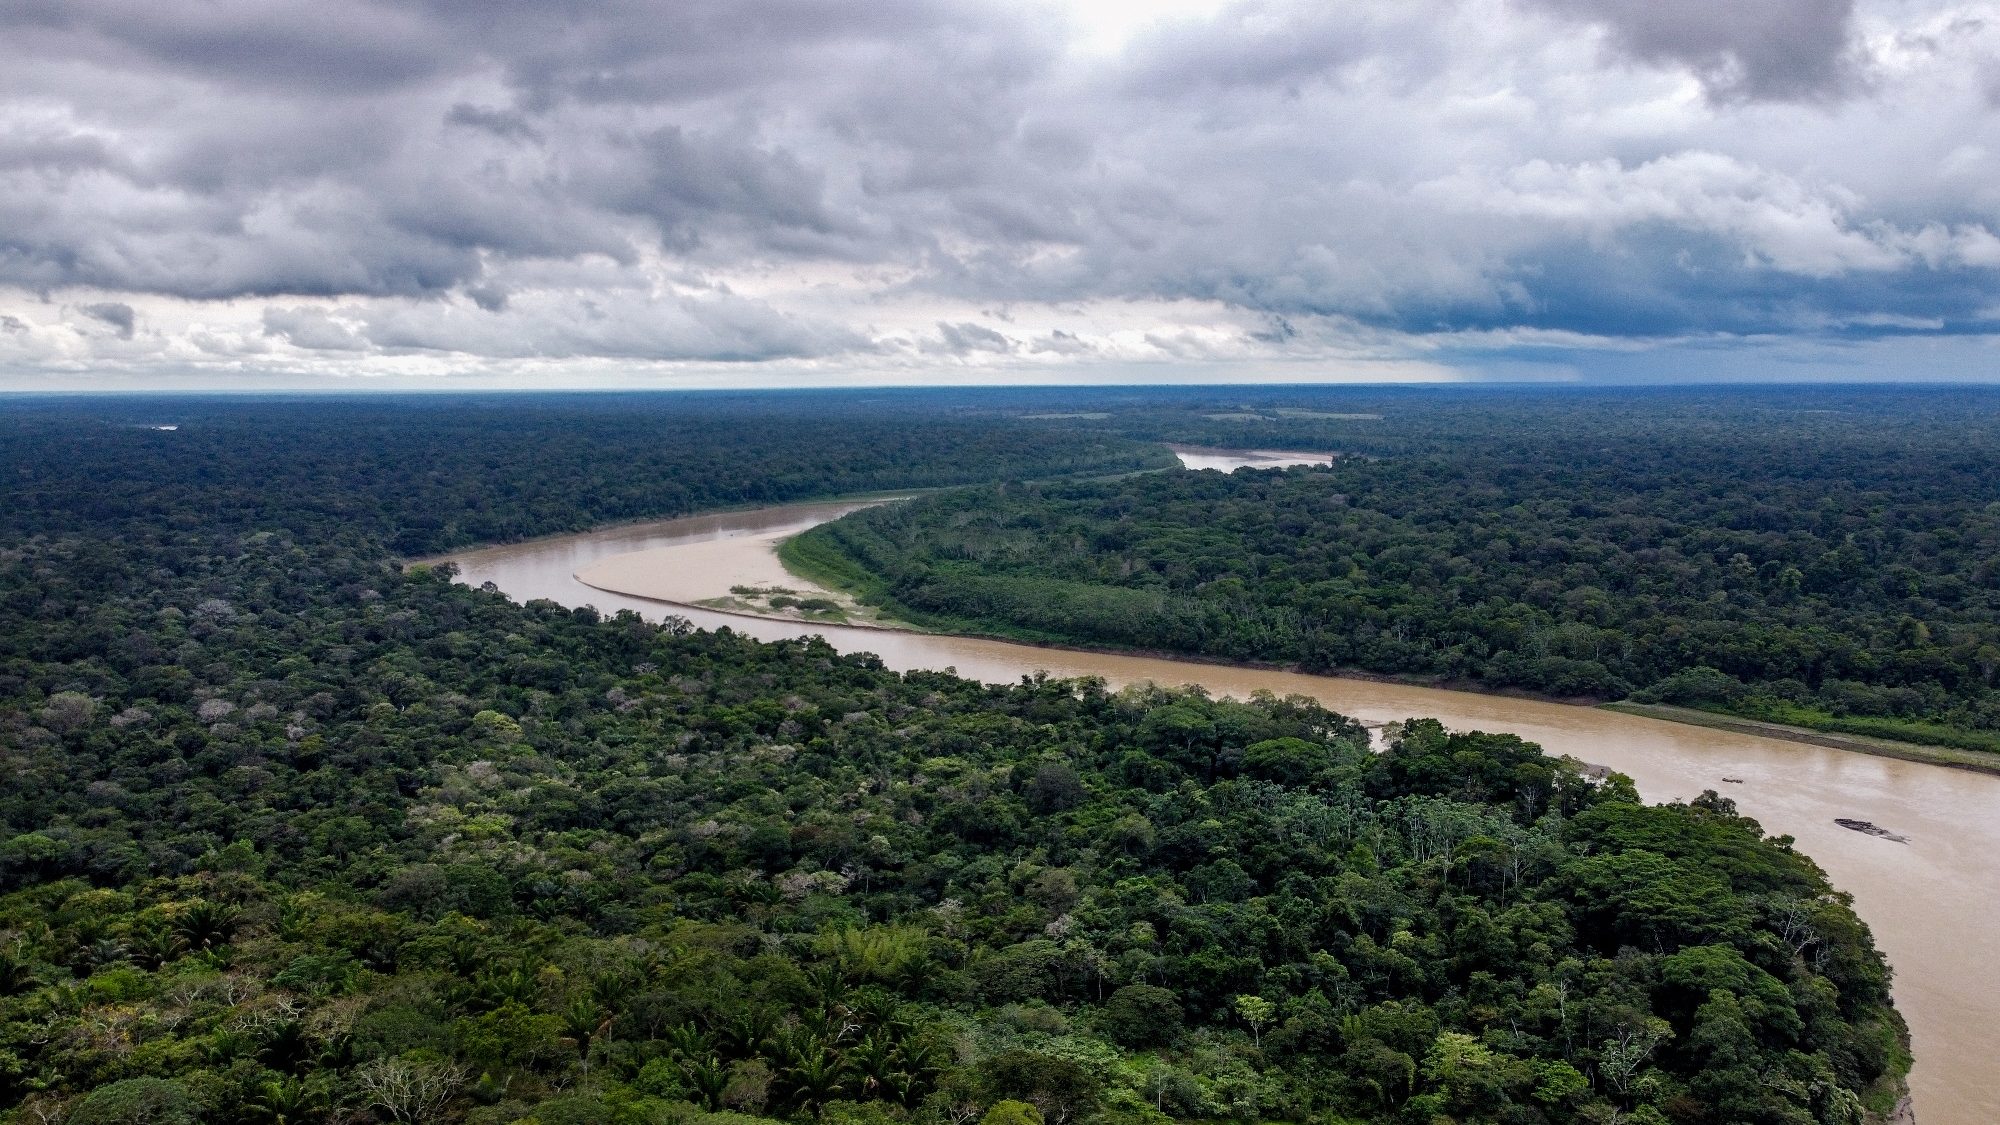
(1933, 899)
(1230, 460)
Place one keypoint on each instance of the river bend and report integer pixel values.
(1931, 900)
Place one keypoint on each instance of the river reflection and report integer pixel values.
(1931, 901)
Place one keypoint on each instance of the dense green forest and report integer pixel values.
(1832, 560)
(290, 833)
(430, 474)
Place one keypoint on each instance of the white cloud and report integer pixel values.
(447, 186)
(1774, 219)
(314, 329)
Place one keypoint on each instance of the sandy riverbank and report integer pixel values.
(737, 576)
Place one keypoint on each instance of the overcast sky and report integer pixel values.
(752, 192)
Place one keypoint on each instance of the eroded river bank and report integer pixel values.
(1930, 896)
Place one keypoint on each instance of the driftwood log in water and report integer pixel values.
(1870, 828)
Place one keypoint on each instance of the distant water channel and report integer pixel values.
(1932, 898)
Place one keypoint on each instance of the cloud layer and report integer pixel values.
(928, 186)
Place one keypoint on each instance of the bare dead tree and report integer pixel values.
(409, 1090)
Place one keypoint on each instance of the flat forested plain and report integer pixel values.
(1822, 558)
(290, 832)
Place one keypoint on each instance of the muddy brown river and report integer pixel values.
(1929, 887)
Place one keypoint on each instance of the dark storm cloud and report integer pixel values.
(285, 45)
(556, 178)
(323, 149)
(62, 154)
(505, 123)
(1059, 342)
(492, 298)
(966, 337)
(686, 179)
(1755, 49)
(117, 314)
(1669, 284)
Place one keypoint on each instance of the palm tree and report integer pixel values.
(708, 1077)
(17, 972)
(103, 952)
(875, 1007)
(815, 1080)
(288, 1101)
(830, 983)
(517, 985)
(583, 1021)
(795, 1045)
(609, 988)
(286, 1047)
(204, 924)
(874, 1062)
(918, 1063)
(157, 944)
(745, 1035)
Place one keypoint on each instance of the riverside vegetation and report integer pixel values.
(1830, 568)
(290, 833)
